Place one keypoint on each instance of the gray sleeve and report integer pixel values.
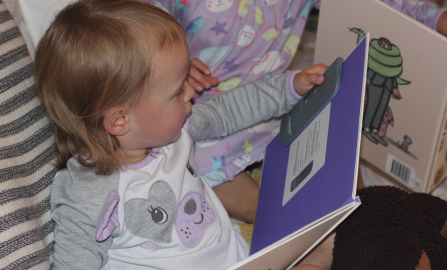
(77, 198)
(240, 108)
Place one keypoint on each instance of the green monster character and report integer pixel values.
(384, 69)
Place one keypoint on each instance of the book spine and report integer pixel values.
(439, 168)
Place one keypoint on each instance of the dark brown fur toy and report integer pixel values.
(393, 229)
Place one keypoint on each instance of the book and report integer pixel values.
(404, 135)
(308, 186)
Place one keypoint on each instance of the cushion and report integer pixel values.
(26, 154)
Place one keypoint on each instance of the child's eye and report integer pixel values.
(182, 90)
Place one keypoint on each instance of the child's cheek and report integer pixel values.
(188, 108)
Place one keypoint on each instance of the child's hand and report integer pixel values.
(199, 76)
(306, 79)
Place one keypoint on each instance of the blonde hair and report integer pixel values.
(96, 55)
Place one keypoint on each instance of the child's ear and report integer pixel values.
(116, 121)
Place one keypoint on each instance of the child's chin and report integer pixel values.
(177, 136)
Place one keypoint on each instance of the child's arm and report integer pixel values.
(252, 103)
(199, 76)
(77, 198)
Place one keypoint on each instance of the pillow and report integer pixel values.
(26, 153)
(36, 16)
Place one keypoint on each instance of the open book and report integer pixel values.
(405, 130)
(308, 186)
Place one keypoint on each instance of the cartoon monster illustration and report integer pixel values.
(384, 69)
(218, 5)
(268, 63)
(246, 36)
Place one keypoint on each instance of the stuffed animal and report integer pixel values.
(393, 229)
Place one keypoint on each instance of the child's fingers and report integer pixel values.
(199, 65)
(315, 75)
(196, 85)
(315, 78)
(308, 80)
(305, 80)
(198, 76)
(213, 80)
(317, 69)
(200, 82)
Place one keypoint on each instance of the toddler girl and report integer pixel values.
(112, 77)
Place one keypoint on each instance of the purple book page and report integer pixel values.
(331, 187)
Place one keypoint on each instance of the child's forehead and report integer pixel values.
(176, 48)
(174, 57)
(170, 65)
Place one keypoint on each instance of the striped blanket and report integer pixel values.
(26, 152)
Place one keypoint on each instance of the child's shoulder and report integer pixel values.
(79, 185)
